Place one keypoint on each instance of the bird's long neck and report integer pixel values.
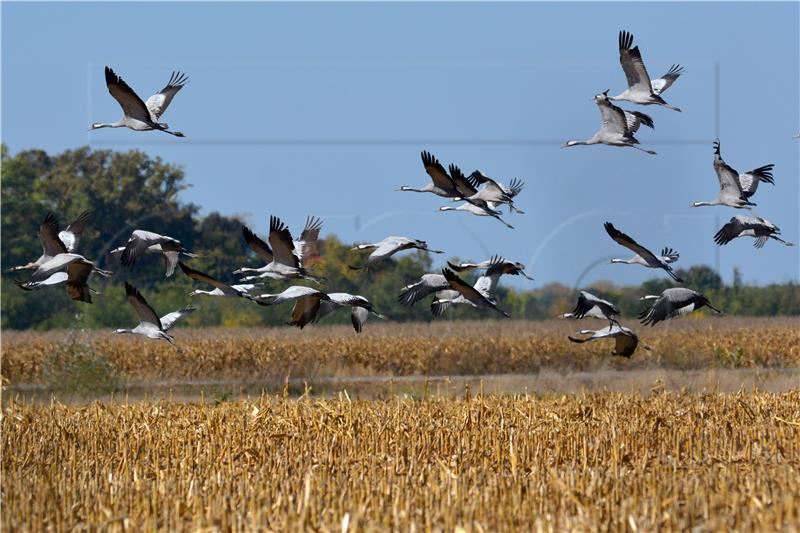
(123, 330)
(118, 124)
(626, 261)
(700, 204)
(409, 189)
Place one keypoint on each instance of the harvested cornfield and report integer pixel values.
(606, 462)
(443, 348)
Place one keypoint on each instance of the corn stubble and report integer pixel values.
(604, 462)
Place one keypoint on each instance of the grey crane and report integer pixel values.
(647, 257)
(360, 308)
(478, 296)
(626, 340)
(757, 227)
(141, 242)
(735, 190)
(475, 202)
(668, 255)
(307, 303)
(618, 126)
(641, 90)
(497, 263)
(437, 283)
(477, 211)
(150, 325)
(62, 262)
(504, 194)
(56, 242)
(299, 250)
(75, 278)
(674, 302)
(441, 183)
(220, 287)
(387, 248)
(590, 305)
(136, 114)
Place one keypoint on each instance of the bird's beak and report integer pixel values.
(526, 276)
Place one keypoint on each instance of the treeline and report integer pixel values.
(129, 190)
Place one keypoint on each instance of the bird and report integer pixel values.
(668, 255)
(618, 126)
(510, 191)
(150, 325)
(298, 251)
(592, 306)
(56, 242)
(441, 183)
(437, 283)
(388, 247)
(647, 257)
(76, 278)
(307, 303)
(139, 115)
(735, 189)
(360, 308)
(220, 287)
(478, 296)
(641, 90)
(626, 339)
(759, 228)
(141, 242)
(477, 211)
(674, 302)
(62, 262)
(499, 264)
(427, 284)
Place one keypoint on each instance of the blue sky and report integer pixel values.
(323, 108)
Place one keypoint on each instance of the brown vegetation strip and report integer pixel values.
(444, 348)
(605, 462)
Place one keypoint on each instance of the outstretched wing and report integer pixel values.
(261, 248)
(130, 102)
(158, 103)
(72, 235)
(631, 60)
(728, 178)
(280, 238)
(436, 171)
(664, 82)
(749, 180)
(614, 118)
(146, 313)
(628, 242)
(306, 245)
(465, 186)
(633, 119)
(201, 276)
(305, 309)
(168, 320)
(734, 228)
(48, 236)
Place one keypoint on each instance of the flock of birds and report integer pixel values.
(284, 257)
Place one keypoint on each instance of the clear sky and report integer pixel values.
(323, 108)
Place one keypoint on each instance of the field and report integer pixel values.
(604, 462)
(475, 426)
(384, 350)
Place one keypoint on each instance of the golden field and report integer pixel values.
(390, 349)
(601, 462)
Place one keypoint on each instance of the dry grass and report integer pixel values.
(606, 462)
(442, 348)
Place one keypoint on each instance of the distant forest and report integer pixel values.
(130, 190)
